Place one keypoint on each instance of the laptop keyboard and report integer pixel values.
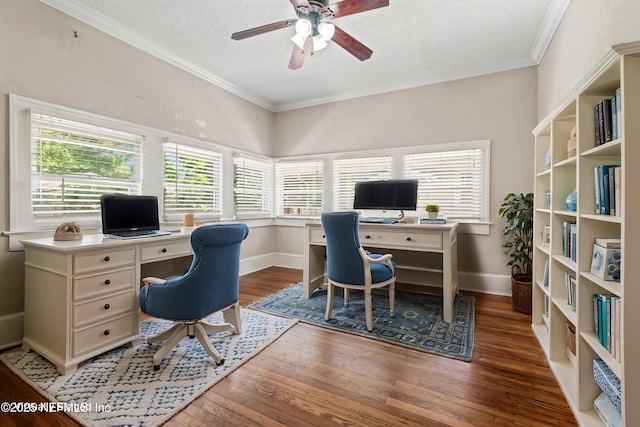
(137, 233)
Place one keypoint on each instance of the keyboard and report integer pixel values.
(379, 220)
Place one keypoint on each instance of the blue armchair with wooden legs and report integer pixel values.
(349, 266)
(210, 285)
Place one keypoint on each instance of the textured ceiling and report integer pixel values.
(414, 43)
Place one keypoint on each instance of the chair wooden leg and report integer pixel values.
(232, 315)
(179, 333)
(368, 309)
(392, 299)
(200, 333)
(346, 297)
(330, 298)
(163, 335)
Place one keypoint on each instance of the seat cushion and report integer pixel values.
(380, 272)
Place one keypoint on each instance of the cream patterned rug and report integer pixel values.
(120, 387)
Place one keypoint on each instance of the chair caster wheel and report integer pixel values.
(220, 363)
(156, 367)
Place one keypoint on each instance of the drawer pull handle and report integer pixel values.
(107, 306)
(107, 282)
(107, 332)
(367, 237)
(323, 236)
(107, 258)
(164, 250)
(408, 239)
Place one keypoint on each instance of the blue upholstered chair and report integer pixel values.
(349, 266)
(210, 285)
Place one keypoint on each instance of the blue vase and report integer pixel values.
(572, 200)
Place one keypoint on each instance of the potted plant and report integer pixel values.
(517, 209)
(432, 210)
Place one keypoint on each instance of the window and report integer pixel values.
(192, 181)
(299, 187)
(454, 180)
(252, 187)
(73, 164)
(346, 172)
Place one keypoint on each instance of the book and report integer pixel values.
(614, 119)
(609, 242)
(596, 124)
(437, 220)
(606, 119)
(617, 181)
(607, 411)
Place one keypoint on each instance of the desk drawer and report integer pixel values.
(165, 250)
(316, 236)
(402, 239)
(104, 334)
(104, 282)
(94, 261)
(103, 308)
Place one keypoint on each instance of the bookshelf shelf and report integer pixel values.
(597, 143)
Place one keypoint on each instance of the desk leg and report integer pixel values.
(450, 278)
(313, 272)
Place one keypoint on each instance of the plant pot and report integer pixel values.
(432, 214)
(521, 292)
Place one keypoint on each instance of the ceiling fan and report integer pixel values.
(314, 27)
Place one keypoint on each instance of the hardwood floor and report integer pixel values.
(314, 376)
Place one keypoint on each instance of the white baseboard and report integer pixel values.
(11, 330)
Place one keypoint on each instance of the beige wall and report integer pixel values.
(500, 107)
(40, 58)
(586, 34)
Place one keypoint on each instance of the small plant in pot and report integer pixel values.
(517, 209)
(432, 210)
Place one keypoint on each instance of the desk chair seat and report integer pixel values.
(210, 285)
(349, 266)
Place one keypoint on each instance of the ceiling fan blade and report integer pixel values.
(262, 29)
(298, 55)
(351, 45)
(349, 7)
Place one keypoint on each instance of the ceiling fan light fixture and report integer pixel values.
(326, 30)
(319, 43)
(303, 28)
(298, 40)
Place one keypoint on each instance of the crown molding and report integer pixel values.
(120, 32)
(552, 19)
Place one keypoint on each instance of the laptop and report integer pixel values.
(130, 217)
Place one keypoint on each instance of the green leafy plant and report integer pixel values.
(517, 209)
(433, 208)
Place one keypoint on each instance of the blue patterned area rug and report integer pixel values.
(121, 388)
(418, 321)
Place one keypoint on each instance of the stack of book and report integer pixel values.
(606, 119)
(570, 290)
(606, 320)
(436, 220)
(607, 179)
(570, 240)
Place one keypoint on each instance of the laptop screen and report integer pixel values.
(122, 213)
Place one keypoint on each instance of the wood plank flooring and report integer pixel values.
(314, 376)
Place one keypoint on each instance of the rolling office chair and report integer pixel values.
(210, 285)
(349, 266)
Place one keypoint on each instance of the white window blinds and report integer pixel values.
(299, 187)
(192, 181)
(454, 180)
(252, 187)
(346, 172)
(73, 164)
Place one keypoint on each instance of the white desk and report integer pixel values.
(81, 297)
(441, 238)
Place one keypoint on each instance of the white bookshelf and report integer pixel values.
(619, 69)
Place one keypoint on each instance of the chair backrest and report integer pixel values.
(344, 263)
(212, 281)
